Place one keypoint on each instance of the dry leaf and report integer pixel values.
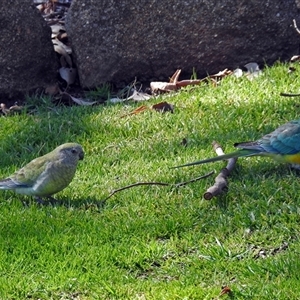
(68, 74)
(136, 111)
(78, 100)
(295, 58)
(4, 109)
(173, 85)
(221, 74)
(184, 142)
(57, 29)
(252, 67)
(163, 107)
(116, 100)
(175, 76)
(291, 69)
(238, 73)
(13, 109)
(183, 83)
(162, 86)
(52, 89)
(253, 70)
(61, 50)
(225, 290)
(136, 96)
(139, 96)
(63, 46)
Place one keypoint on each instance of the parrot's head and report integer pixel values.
(70, 151)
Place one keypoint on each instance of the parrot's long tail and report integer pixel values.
(239, 153)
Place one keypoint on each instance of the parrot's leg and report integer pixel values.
(295, 166)
(23, 201)
(52, 200)
(39, 200)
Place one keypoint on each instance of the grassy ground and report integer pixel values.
(154, 242)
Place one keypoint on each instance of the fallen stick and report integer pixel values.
(289, 95)
(221, 183)
(176, 185)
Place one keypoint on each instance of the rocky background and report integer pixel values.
(122, 39)
(119, 40)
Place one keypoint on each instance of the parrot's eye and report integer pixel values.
(73, 151)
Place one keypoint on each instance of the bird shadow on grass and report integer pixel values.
(81, 204)
(270, 170)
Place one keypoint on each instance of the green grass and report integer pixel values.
(153, 242)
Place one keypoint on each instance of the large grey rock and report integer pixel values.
(27, 57)
(118, 40)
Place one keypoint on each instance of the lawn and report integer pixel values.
(156, 242)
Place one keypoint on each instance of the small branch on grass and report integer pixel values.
(156, 183)
(221, 184)
(289, 95)
(193, 180)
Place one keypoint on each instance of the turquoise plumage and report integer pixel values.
(283, 145)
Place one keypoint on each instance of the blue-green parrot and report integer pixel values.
(283, 145)
(46, 175)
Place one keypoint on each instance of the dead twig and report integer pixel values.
(295, 26)
(13, 109)
(221, 183)
(174, 84)
(156, 183)
(289, 95)
(193, 180)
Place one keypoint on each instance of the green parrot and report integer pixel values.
(46, 175)
(283, 145)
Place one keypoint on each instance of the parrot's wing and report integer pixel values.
(282, 144)
(253, 145)
(286, 138)
(10, 184)
(283, 141)
(30, 173)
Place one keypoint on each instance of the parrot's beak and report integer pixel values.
(81, 156)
